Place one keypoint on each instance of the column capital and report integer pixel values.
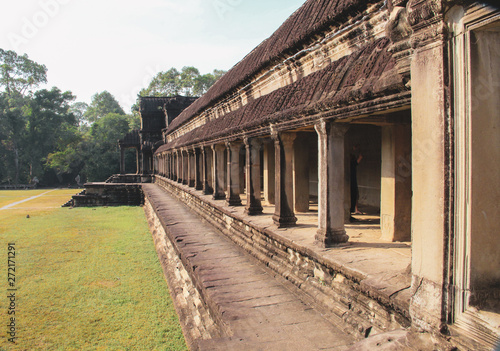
(323, 127)
(234, 145)
(338, 129)
(274, 133)
(219, 147)
(252, 142)
(287, 138)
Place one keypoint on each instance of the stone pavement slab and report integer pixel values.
(260, 311)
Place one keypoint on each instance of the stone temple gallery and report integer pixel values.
(356, 153)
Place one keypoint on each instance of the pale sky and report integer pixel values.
(90, 46)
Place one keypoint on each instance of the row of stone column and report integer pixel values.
(190, 166)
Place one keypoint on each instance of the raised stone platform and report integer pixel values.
(130, 178)
(365, 282)
(108, 194)
(225, 298)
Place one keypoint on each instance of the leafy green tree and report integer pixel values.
(164, 84)
(102, 104)
(79, 109)
(19, 74)
(188, 82)
(50, 127)
(103, 156)
(188, 79)
(18, 77)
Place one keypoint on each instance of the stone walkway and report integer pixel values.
(258, 311)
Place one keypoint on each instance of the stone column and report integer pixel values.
(191, 167)
(218, 171)
(175, 165)
(210, 165)
(168, 164)
(253, 188)
(241, 172)
(180, 167)
(395, 204)
(172, 168)
(301, 175)
(204, 171)
(283, 213)
(269, 168)
(429, 101)
(122, 160)
(136, 160)
(198, 177)
(233, 173)
(185, 167)
(330, 183)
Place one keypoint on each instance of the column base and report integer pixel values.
(207, 190)
(219, 196)
(179, 180)
(285, 222)
(234, 200)
(254, 210)
(328, 238)
(191, 183)
(198, 187)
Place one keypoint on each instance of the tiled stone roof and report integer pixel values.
(364, 75)
(315, 16)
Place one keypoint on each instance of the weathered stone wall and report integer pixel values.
(195, 317)
(109, 194)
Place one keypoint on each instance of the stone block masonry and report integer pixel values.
(363, 305)
(226, 299)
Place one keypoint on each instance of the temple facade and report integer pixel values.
(352, 113)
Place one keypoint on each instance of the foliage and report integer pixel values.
(102, 146)
(18, 76)
(90, 278)
(50, 126)
(187, 82)
(102, 104)
(46, 135)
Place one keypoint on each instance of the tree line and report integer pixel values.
(48, 137)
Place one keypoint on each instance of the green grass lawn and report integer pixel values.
(86, 279)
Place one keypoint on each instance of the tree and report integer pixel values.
(204, 82)
(18, 76)
(188, 82)
(164, 84)
(102, 104)
(79, 109)
(50, 127)
(101, 148)
(188, 79)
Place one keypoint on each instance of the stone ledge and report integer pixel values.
(363, 301)
(196, 321)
